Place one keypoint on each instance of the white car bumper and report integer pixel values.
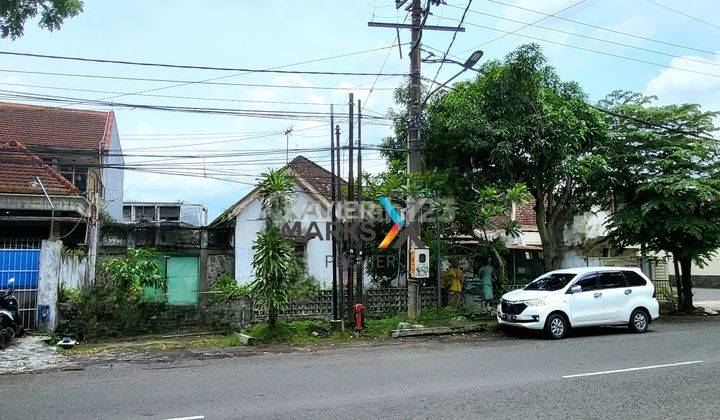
(532, 318)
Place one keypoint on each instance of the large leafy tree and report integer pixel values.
(518, 122)
(273, 254)
(14, 13)
(668, 172)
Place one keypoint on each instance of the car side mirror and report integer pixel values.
(575, 289)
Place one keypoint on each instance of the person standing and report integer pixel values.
(485, 273)
(453, 278)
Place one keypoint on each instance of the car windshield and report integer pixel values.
(552, 281)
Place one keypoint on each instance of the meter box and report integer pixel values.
(420, 263)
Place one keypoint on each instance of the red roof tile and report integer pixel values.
(55, 127)
(315, 175)
(19, 167)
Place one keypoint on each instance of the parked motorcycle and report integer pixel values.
(10, 322)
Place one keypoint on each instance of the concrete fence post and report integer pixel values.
(48, 282)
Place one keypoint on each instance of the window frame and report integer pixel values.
(583, 276)
(627, 278)
(603, 287)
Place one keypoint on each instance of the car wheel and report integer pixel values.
(639, 321)
(556, 326)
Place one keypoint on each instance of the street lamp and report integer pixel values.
(35, 183)
(467, 65)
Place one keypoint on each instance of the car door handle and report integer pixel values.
(597, 295)
(628, 291)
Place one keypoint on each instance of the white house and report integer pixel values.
(312, 204)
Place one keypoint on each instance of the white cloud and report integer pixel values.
(674, 86)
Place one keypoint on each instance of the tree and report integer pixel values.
(14, 13)
(136, 272)
(668, 189)
(272, 254)
(519, 123)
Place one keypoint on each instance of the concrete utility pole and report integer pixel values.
(287, 143)
(413, 161)
(361, 216)
(348, 228)
(333, 197)
(413, 139)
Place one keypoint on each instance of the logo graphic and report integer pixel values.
(395, 217)
(398, 225)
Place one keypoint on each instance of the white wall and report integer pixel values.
(250, 221)
(112, 179)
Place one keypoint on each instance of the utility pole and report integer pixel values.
(360, 209)
(413, 135)
(287, 143)
(413, 161)
(351, 197)
(333, 197)
(338, 196)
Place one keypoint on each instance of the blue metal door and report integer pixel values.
(24, 266)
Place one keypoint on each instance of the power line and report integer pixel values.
(452, 41)
(684, 14)
(181, 82)
(199, 98)
(523, 27)
(590, 37)
(577, 47)
(183, 66)
(257, 113)
(601, 28)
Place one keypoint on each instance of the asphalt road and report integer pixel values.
(508, 378)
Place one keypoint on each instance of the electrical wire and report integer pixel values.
(183, 66)
(181, 82)
(593, 38)
(601, 28)
(452, 41)
(683, 14)
(523, 27)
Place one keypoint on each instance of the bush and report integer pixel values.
(135, 273)
(227, 285)
(669, 296)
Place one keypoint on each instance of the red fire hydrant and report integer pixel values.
(359, 309)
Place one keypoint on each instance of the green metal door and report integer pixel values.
(182, 280)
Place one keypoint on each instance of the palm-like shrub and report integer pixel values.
(272, 256)
(276, 192)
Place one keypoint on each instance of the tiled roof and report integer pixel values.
(55, 127)
(318, 177)
(524, 214)
(305, 170)
(19, 167)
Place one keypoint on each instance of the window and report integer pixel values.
(169, 213)
(612, 279)
(145, 213)
(588, 282)
(551, 282)
(127, 212)
(634, 279)
(77, 176)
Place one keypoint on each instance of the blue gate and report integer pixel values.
(24, 266)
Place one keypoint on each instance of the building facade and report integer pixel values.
(172, 211)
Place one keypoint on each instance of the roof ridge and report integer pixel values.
(54, 108)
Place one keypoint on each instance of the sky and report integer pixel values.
(273, 33)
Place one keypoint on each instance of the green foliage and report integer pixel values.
(668, 170)
(228, 286)
(271, 257)
(77, 252)
(518, 122)
(136, 272)
(69, 295)
(14, 13)
(275, 192)
(297, 332)
(663, 293)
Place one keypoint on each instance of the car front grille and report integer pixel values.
(512, 308)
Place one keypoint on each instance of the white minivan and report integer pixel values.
(582, 297)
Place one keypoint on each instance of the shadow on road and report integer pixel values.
(522, 333)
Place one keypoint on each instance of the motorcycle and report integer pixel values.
(10, 322)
